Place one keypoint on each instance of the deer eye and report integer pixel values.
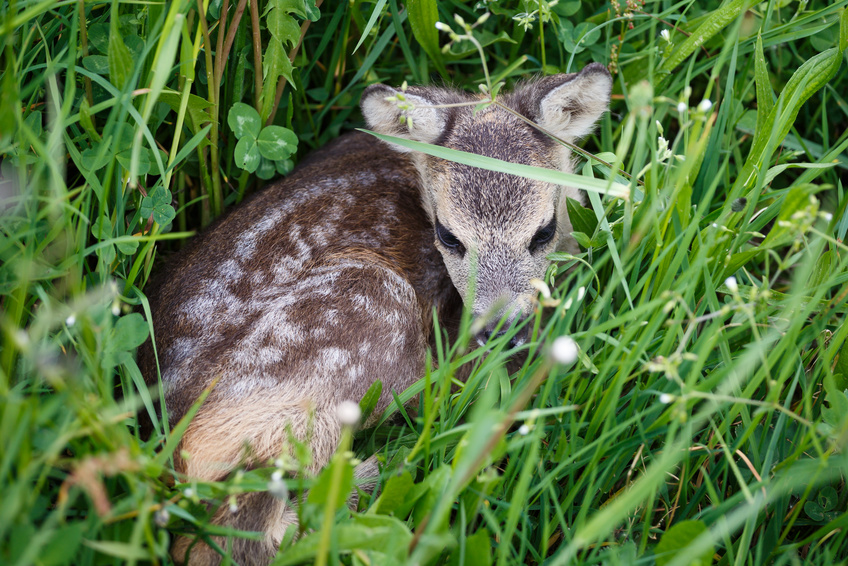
(448, 240)
(543, 235)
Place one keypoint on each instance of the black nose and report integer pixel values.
(518, 338)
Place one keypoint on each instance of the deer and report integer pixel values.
(304, 295)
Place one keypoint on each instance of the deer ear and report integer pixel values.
(569, 105)
(386, 117)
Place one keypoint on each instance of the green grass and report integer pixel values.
(701, 414)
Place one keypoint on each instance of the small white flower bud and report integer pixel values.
(826, 216)
(70, 320)
(564, 350)
(441, 27)
(188, 492)
(665, 398)
(161, 517)
(581, 292)
(233, 507)
(731, 283)
(348, 413)
(665, 35)
(524, 430)
(278, 488)
(116, 309)
(705, 105)
(681, 107)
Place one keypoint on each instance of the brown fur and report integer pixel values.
(326, 281)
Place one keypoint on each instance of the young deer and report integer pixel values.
(326, 281)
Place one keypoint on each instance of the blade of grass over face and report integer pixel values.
(611, 188)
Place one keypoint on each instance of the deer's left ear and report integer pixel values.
(569, 105)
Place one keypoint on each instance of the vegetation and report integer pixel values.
(703, 417)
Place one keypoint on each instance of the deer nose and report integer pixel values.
(486, 334)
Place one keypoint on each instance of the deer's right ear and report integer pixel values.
(391, 112)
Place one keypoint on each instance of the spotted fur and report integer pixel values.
(326, 281)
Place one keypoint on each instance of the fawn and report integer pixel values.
(326, 281)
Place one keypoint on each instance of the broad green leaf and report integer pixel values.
(130, 332)
(98, 36)
(765, 95)
(395, 493)
(35, 122)
(478, 550)
(806, 81)
(275, 64)
(87, 122)
(676, 541)
(334, 480)
(8, 100)
(827, 498)
(577, 38)
(119, 56)
(158, 205)
(128, 248)
(370, 399)
(423, 15)
(306, 9)
(102, 228)
(383, 538)
(485, 38)
(835, 411)
(244, 121)
(814, 511)
(283, 27)
(276, 142)
(284, 166)
(715, 22)
(92, 158)
(785, 229)
(125, 157)
(196, 107)
(96, 64)
(123, 550)
(582, 219)
(582, 239)
(266, 169)
(247, 154)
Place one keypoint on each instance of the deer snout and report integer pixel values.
(499, 320)
(518, 339)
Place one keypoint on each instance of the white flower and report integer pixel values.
(70, 320)
(161, 518)
(705, 105)
(731, 284)
(116, 309)
(233, 507)
(564, 350)
(277, 475)
(581, 292)
(665, 398)
(826, 216)
(189, 492)
(681, 107)
(348, 413)
(441, 27)
(278, 488)
(665, 35)
(524, 430)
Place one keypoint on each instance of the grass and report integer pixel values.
(705, 418)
